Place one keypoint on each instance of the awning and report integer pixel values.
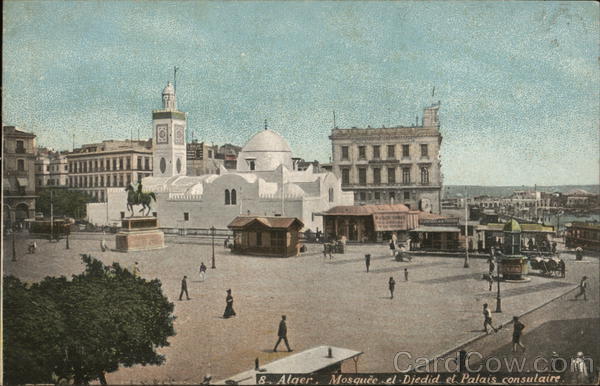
(22, 182)
(426, 229)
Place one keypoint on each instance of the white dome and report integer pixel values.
(265, 151)
(267, 140)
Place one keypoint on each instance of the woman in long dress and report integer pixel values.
(229, 312)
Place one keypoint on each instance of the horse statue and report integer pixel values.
(137, 197)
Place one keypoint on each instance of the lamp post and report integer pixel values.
(14, 248)
(466, 264)
(212, 233)
(498, 299)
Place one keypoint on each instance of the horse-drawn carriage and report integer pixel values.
(549, 266)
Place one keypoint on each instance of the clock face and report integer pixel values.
(162, 135)
(179, 135)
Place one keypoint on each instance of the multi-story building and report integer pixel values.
(115, 163)
(392, 164)
(229, 153)
(202, 159)
(18, 175)
(51, 168)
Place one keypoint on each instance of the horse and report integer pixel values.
(137, 197)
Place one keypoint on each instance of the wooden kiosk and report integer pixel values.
(267, 236)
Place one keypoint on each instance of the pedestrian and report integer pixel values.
(582, 288)
(580, 370)
(202, 271)
(229, 312)
(136, 269)
(562, 267)
(226, 243)
(368, 261)
(103, 245)
(517, 332)
(490, 279)
(578, 253)
(487, 319)
(492, 266)
(184, 288)
(405, 274)
(392, 247)
(392, 285)
(282, 335)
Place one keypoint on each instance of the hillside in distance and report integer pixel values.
(452, 191)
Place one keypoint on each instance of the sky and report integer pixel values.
(518, 82)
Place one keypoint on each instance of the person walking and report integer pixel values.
(582, 288)
(490, 280)
(393, 247)
(392, 286)
(103, 245)
(405, 274)
(282, 335)
(562, 267)
(368, 261)
(184, 288)
(226, 242)
(492, 266)
(517, 332)
(487, 319)
(229, 312)
(202, 271)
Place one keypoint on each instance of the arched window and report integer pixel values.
(330, 194)
(233, 197)
(227, 197)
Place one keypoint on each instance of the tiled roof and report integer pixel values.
(270, 222)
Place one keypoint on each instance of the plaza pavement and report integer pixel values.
(327, 302)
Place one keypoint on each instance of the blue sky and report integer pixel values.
(519, 82)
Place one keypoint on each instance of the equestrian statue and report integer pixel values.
(137, 197)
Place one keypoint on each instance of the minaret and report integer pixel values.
(169, 125)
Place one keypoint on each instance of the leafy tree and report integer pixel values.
(69, 203)
(103, 318)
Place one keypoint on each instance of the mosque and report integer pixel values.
(266, 182)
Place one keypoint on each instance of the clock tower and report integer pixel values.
(168, 125)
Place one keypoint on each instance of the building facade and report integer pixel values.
(93, 168)
(202, 159)
(18, 176)
(392, 165)
(51, 169)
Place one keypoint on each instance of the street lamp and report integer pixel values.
(466, 264)
(498, 298)
(212, 233)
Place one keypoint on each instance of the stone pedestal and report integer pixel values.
(139, 234)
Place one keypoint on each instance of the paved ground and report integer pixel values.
(565, 326)
(331, 302)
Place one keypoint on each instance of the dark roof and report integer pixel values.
(269, 222)
(365, 210)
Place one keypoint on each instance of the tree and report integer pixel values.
(103, 318)
(69, 203)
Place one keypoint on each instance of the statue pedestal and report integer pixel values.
(139, 234)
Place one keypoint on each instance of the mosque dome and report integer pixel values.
(267, 140)
(265, 151)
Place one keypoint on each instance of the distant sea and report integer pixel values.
(452, 191)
